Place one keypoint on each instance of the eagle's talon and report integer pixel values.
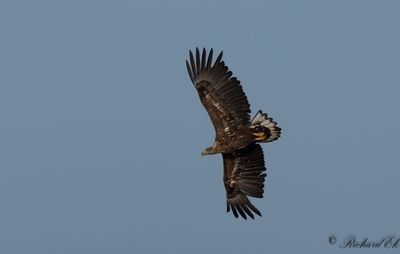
(260, 136)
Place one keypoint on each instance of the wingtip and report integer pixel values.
(189, 71)
(219, 57)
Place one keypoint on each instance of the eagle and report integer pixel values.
(237, 136)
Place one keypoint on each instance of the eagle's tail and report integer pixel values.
(265, 129)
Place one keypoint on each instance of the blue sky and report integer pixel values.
(101, 130)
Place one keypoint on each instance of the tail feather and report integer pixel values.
(266, 124)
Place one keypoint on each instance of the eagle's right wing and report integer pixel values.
(244, 175)
(221, 94)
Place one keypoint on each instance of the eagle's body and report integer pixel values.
(236, 135)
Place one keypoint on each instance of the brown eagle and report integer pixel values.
(236, 135)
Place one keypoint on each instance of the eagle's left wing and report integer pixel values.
(244, 174)
(220, 93)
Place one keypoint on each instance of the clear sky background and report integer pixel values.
(101, 130)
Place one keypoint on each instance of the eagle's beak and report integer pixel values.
(203, 153)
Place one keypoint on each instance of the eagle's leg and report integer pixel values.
(261, 133)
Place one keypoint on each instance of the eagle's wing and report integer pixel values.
(221, 94)
(244, 175)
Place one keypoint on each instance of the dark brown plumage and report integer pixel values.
(244, 174)
(236, 136)
(224, 99)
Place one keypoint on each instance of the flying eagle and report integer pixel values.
(237, 136)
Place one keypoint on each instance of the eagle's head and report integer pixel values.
(208, 151)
